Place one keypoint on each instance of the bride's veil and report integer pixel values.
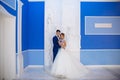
(72, 44)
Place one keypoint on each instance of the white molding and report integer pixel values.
(100, 0)
(102, 17)
(19, 25)
(82, 0)
(103, 66)
(24, 51)
(19, 38)
(35, 50)
(5, 12)
(100, 33)
(100, 50)
(35, 0)
(80, 50)
(32, 50)
(33, 66)
(89, 66)
(9, 4)
(103, 34)
(36, 66)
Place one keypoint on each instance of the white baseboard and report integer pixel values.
(35, 0)
(89, 66)
(34, 66)
(103, 66)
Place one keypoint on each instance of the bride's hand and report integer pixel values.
(63, 45)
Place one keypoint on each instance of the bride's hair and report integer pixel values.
(62, 34)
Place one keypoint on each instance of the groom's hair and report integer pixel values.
(57, 30)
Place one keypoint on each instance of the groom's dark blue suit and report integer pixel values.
(56, 47)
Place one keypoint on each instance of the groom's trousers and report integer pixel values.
(55, 51)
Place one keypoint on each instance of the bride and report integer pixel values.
(65, 65)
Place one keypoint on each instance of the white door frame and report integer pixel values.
(19, 39)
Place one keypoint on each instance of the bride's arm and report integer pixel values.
(64, 44)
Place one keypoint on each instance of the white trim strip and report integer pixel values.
(24, 51)
(33, 66)
(102, 17)
(89, 66)
(103, 66)
(36, 66)
(35, 50)
(35, 0)
(5, 12)
(83, 0)
(100, 0)
(103, 25)
(80, 50)
(103, 34)
(100, 49)
(9, 4)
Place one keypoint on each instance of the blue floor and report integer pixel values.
(98, 73)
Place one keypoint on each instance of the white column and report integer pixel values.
(1, 47)
(53, 18)
(9, 48)
(63, 15)
(71, 25)
(7, 43)
(19, 32)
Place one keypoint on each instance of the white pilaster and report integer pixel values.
(53, 18)
(7, 45)
(71, 24)
(19, 38)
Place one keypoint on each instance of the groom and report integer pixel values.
(56, 45)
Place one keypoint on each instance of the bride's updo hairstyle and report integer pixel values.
(62, 34)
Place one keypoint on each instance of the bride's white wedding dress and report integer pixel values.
(66, 65)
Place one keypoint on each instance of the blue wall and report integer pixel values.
(36, 57)
(100, 57)
(36, 25)
(99, 49)
(99, 9)
(33, 26)
(25, 25)
(33, 33)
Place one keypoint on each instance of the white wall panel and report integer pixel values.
(63, 15)
(53, 18)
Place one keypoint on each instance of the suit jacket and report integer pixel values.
(56, 45)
